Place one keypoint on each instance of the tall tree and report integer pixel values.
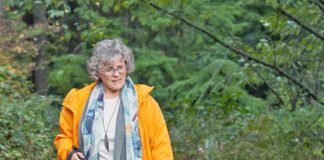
(41, 69)
(1, 9)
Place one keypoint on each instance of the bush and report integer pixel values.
(27, 126)
(280, 134)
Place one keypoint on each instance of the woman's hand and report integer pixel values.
(77, 156)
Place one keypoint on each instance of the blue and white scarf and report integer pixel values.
(91, 124)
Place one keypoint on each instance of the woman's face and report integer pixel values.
(113, 74)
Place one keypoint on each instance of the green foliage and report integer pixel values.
(218, 105)
(27, 120)
(161, 66)
(12, 84)
(27, 126)
(272, 135)
(69, 72)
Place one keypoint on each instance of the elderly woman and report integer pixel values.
(112, 118)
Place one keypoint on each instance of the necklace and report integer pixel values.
(103, 123)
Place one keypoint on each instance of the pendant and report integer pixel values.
(106, 142)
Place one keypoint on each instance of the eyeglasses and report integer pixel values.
(111, 71)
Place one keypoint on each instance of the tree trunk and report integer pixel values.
(1, 10)
(41, 68)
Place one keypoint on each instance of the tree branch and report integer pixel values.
(77, 48)
(275, 41)
(317, 81)
(211, 80)
(281, 101)
(318, 4)
(322, 1)
(306, 27)
(237, 51)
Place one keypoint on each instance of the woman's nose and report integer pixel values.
(116, 73)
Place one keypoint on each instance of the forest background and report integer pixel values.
(235, 79)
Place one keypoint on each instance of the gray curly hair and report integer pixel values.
(107, 49)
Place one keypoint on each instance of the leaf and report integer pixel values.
(117, 7)
(55, 13)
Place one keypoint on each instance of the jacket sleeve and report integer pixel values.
(64, 140)
(160, 143)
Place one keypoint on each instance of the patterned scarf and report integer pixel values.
(91, 124)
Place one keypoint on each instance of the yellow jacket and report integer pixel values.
(152, 127)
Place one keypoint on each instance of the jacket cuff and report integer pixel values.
(74, 150)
